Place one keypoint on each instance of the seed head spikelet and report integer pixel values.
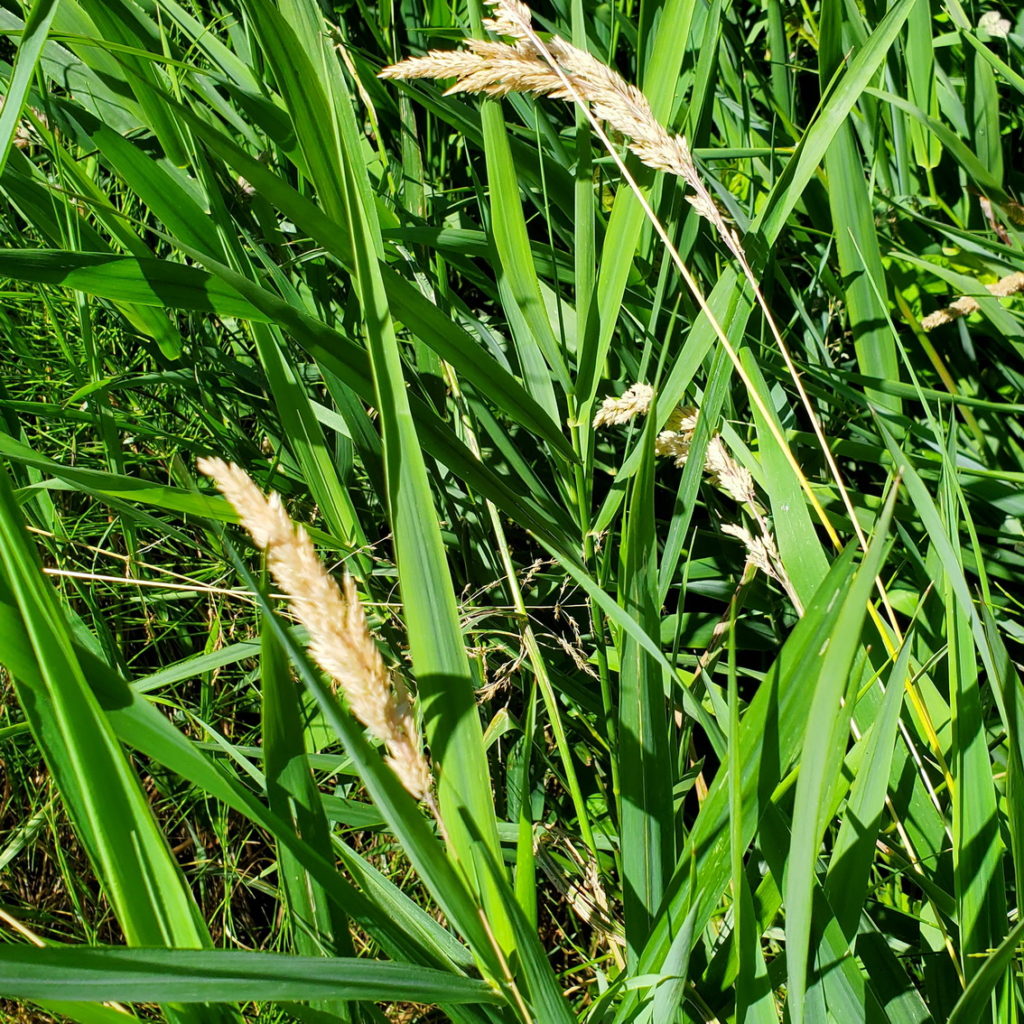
(635, 401)
(727, 474)
(559, 70)
(510, 18)
(339, 639)
(1009, 285)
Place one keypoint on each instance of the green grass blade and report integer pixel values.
(85, 1013)
(853, 222)
(850, 863)
(537, 345)
(124, 279)
(859, 73)
(821, 755)
(646, 769)
(985, 117)
(1008, 694)
(977, 844)
(920, 57)
(196, 976)
(122, 25)
(800, 547)
(30, 48)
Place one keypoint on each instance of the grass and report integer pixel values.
(723, 716)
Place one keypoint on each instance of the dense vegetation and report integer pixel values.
(720, 695)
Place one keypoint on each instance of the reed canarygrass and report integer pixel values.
(339, 639)
(556, 69)
(649, 820)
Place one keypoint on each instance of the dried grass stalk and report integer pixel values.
(1009, 285)
(339, 639)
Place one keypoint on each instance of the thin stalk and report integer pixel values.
(529, 638)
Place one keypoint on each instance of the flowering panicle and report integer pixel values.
(1009, 285)
(559, 70)
(339, 639)
(674, 442)
(634, 402)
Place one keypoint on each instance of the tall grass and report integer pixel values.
(672, 449)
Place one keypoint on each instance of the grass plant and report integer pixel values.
(645, 381)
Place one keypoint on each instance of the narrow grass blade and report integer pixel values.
(850, 863)
(861, 69)
(121, 24)
(85, 1013)
(536, 338)
(646, 769)
(985, 117)
(126, 279)
(33, 38)
(821, 755)
(920, 58)
(800, 547)
(978, 850)
(1009, 696)
(853, 222)
(196, 976)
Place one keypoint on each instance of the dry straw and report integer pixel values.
(339, 639)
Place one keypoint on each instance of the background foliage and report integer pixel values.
(673, 789)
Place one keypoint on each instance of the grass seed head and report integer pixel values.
(1009, 285)
(635, 401)
(339, 638)
(558, 70)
